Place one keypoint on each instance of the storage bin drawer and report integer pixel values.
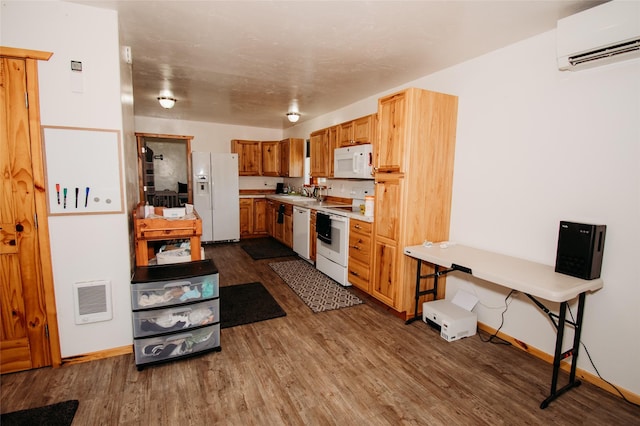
(180, 318)
(163, 293)
(155, 349)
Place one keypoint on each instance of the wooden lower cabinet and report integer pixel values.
(246, 217)
(260, 216)
(253, 217)
(282, 232)
(360, 254)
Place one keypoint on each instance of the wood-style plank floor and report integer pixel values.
(355, 366)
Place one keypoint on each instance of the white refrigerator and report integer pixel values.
(216, 195)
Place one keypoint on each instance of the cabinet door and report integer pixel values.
(284, 157)
(287, 237)
(271, 158)
(390, 149)
(292, 157)
(385, 264)
(363, 129)
(319, 153)
(388, 206)
(345, 134)
(271, 217)
(246, 217)
(249, 157)
(312, 236)
(259, 215)
(333, 142)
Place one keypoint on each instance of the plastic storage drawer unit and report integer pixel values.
(176, 311)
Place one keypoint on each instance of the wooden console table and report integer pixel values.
(159, 228)
(530, 278)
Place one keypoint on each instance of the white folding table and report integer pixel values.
(536, 280)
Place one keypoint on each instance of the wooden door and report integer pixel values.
(363, 129)
(333, 142)
(246, 217)
(27, 305)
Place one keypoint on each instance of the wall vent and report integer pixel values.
(92, 301)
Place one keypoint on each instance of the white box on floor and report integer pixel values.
(453, 321)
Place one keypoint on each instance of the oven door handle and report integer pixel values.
(338, 218)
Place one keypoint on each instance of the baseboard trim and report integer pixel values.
(564, 365)
(93, 356)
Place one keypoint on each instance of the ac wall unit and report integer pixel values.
(601, 35)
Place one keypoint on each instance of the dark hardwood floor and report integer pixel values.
(360, 365)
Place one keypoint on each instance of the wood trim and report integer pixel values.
(12, 52)
(94, 356)
(40, 196)
(162, 136)
(564, 365)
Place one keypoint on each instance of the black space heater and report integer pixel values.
(580, 248)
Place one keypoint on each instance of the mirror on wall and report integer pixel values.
(164, 169)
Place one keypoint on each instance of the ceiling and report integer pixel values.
(250, 62)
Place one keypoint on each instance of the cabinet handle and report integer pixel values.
(354, 273)
(355, 247)
(356, 226)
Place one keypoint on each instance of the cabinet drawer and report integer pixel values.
(358, 274)
(155, 349)
(360, 248)
(359, 226)
(181, 318)
(163, 293)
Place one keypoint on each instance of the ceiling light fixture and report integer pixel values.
(293, 116)
(167, 101)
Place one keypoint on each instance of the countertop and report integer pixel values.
(324, 206)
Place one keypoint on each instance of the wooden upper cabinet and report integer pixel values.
(270, 158)
(390, 147)
(319, 153)
(358, 131)
(249, 157)
(292, 157)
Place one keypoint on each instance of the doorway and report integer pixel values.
(164, 169)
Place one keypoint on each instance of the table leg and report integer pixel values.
(555, 392)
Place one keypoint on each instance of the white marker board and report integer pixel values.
(77, 158)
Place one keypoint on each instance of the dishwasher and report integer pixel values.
(301, 231)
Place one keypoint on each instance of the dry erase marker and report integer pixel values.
(86, 196)
(77, 190)
(58, 192)
(64, 194)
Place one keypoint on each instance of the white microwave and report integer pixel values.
(355, 162)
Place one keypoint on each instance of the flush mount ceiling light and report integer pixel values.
(293, 116)
(167, 101)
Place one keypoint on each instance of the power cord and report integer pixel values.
(495, 335)
(596, 369)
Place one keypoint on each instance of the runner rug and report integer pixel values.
(318, 291)
(60, 414)
(247, 303)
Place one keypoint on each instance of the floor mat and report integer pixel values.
(318, 291)
(60, 414)
(266, 248)
(247, 303)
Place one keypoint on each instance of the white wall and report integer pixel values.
(536, 146)
(89, 247)
(212, 137)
